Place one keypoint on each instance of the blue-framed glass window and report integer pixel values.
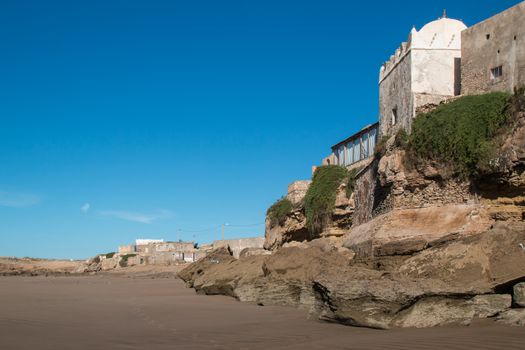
(357, 151)
(349, 154)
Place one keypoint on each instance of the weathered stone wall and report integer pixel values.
(437, 71)
(415, 189)
(395, 92)
(497, 41)
(297, 190)
(165, 258)
(171, 246)
(329, 160)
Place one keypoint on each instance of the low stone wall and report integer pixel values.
(238, 245)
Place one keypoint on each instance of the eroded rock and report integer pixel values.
(490, 305)
(406, 231)
(519, 294)
(513, 317)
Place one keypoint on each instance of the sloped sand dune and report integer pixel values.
(114, 312)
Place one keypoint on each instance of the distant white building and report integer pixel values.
(425, 69)
(142, 241)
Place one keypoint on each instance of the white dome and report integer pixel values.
(444, 33)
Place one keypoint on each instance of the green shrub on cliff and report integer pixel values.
(320, 199)
(380, 149)
(460, 133)
(110, 255)
(124, 259)
(278, 211)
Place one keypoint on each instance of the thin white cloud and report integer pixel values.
(85, 208)
(18, 200)
(137, 217)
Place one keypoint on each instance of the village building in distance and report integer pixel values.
(160, 252)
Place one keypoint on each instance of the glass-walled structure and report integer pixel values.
(357, 147)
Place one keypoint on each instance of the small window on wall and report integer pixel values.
(394, 116)
(496, 73)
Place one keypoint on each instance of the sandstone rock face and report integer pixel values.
(503, 186)
(450, 283)
(294, 227)
(512, 154)
(416, 188)
(519, 294)
(485, 261)
(405, 231)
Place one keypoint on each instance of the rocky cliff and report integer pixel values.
(414, 244)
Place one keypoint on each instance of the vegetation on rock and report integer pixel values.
(401, 139)
(278, 212)
(124, 259)
(320, 199)
(109, 255)
(461, 133)
(380, 149)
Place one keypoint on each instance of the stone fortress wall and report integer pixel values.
(498, 42)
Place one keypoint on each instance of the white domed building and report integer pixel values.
(425, 69)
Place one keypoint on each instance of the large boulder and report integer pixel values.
(406, 231)
(452, 282)
(292, 229)
(369, 298)
(490, 261)
(220, 273)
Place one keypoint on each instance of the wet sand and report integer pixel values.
(108, 312)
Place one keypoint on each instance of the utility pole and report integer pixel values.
(222, 230)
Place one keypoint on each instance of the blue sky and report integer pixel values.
(150, 119)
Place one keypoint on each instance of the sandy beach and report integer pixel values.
(115, 312)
